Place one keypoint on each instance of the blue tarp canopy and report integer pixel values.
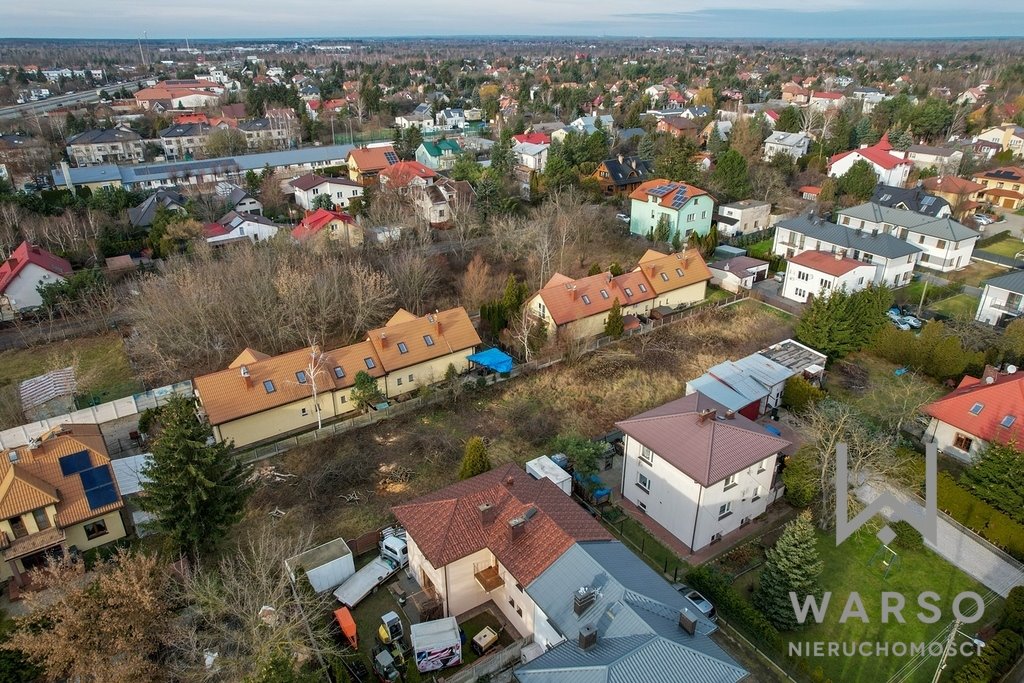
(495, 359)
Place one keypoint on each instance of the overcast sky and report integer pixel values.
(358, 18)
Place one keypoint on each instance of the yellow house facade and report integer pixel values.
(56, 494)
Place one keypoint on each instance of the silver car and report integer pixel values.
(700, 602)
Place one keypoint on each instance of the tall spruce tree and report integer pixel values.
(194, 487)
(792, 565)
(474, 460)
(614, 326)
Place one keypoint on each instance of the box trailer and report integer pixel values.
(394, 554)
(546, 468)
(436, 644)
(326, 566)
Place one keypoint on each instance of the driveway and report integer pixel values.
(996, 572)
(1012, 222)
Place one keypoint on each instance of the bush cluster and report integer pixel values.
(978, 515)
(716, 588)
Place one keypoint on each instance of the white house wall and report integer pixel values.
(22, 290)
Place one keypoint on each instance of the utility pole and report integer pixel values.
(924, 291)
(945, 651)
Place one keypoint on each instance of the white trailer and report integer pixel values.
(394, 554)
(437, 644)
(546, 468)
(326, 565)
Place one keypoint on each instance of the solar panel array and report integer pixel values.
(391, 158)
(98, 483)
(662, 190)
(679, 199)
(74, 463)
(184, 168)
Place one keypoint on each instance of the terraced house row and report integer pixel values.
(260, 397)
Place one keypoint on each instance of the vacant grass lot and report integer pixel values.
(959, 306)
(397, 460)
(977, 272)
(854, 567)
(102, 370)
(1008, 246)
(871, 385)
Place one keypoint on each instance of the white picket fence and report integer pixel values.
(98, 415)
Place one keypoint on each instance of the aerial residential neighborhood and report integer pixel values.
(467, 345)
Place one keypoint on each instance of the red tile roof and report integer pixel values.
(403, 173)
(810, 189)
(641, 194)
(26, 254)
(446, 525)
(828, 95)
(318, 220)
(998, 401)
(214, 230)
(705, 449)
(369, 159)
(533, 138)
(823, 262)
(877, 154)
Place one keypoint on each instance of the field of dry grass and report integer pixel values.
(396, 460)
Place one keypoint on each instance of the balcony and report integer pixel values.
(1007, 307)
(489, 578)
(33, 543)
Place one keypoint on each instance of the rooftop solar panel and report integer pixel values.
(96, 477)
(74, 463)
(101, 496)
(391, 157)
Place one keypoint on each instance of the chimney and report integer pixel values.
(516, 527)
(384, 339)
(620, 159)
(488, 513)
(990, 373)
(839, 256)
(583, 598)
(705, 415)
(12, 262)
(730, 415)
(574, 294)
(587, 637)
(510, 482)
(687, 621)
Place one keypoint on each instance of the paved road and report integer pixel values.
(994, 571)
(57, 101)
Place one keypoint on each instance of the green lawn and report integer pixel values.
(653, 551)
(849, 568)
(881, 394)
(761, 250)
(976, 273)
(1008, 246)
(959, 306)
(911, 294)
(716, 294)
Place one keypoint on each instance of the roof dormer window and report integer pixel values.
(301, 376)
(977, 408)
(586, 299)
(268, 386)
(402, 348)
(1008, 421)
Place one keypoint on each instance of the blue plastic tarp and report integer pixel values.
(495, 359)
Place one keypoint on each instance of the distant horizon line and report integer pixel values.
(515, 36)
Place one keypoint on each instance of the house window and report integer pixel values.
(18, 527)
(428, 340)
(303, 412)
(586, 299)
(301, 376)
(920, 240)
(411, 377)
(1008, 421)
(628, 291)
(642, 505)
(338, 372)
(763, 465)
(664, 276)
(757, 493)
(725, 510)
(703, 214)
(846, 220)
(268, 386)
(643, 287)
(977, 408)
(679, 272)
(643, 481)
(690, 217)
(369, 363)
(95, 529)
(730, 481)
(399, 381)
(604, 293)
(941, 244)
(646, 455)
(963, 442)
(402, 348)
(344, 399)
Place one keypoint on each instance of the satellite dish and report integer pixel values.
(1010, 369)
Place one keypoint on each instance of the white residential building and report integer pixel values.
(892, 258)
(946, 244)
(793, 144)
(890, 168)
(818, 273)
(1002, 299)
(531, 155)
(743, 217)
(309, 187)
(698, 469)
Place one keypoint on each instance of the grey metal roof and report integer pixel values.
(629, 170)
(184, 130)
(636, 616)
(142, 215)
(788, 139)
(104, 135)
(912, 198)
(1012, 282)
(934, 151)
(882, 245)
(942, 228)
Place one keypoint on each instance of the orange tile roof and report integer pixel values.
(449, 330)
(668, 272)
(568, 300)
(446, 525)
(1001, 402)
(951, 184)
(404, 172)
(640, 193)
(371, 158)
(824, 262)
(35, 480)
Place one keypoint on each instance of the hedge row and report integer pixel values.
(994, 660)
(976, 514)
(991, 239)
(727, 600)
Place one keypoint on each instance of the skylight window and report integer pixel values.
(369, 363)
(629, 292)
(339, 372)
(402, 348)
(664, 276)
(586, 299)
(976, 408)
(301, 376)
(604, 293)
(428, 340)
(679, 272)
(268, 385)
(643, 287)
(1008, 421)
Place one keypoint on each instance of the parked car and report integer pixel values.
(700, 602)
(913, 321)
(780, 276)
(622, 217)
(982, 220)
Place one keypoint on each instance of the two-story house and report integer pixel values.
(1002, 299)
(334, 225)
(961, 195)
(168, 199)
(678, 127)
(621, 175)
(911, 199)
(698, 469)
(25, 270)
(531, 157)
(943, 159)
(1003, 186)
(743, 217)
(893, 258)
(980, 411)
(890, 168)
(106, 146)
(57, 495)
(822, 100)
(1009, 136)
(794, 145)
(683, 208)
(945, 244)
(450, 118)
(266, 133)
(185, 140)
(366, 163)
(308, 188)
(818, 273)
(440, 155)
(234, 227)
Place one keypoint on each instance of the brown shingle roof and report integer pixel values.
(446, 525)
(662, 270)
(450, 331)
(35, 480)
(706, 450)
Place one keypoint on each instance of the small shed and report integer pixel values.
(724, 251)
(327, 566)
(545, 468)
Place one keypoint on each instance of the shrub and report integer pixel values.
(1013, 611)
(730, 603)
(907, 536)
(475, 461)
(995, 659)
(800, 394)
(979, 516)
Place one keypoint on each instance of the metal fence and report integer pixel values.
(488, 664)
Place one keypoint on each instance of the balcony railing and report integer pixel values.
(489, 578)
(32, 543)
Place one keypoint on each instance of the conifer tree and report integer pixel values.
(475, 460)
(792, 566)
(614, 326)
(195, 487)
